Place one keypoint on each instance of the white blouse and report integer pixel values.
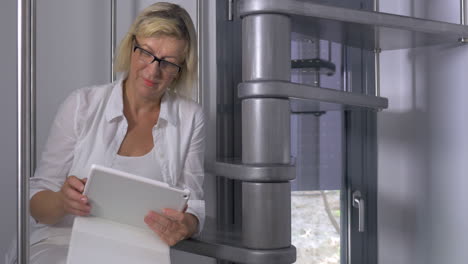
(89, 129)
(145, 166)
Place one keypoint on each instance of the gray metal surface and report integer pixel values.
(463, 19)
(32, 88)
(238, 254)
(265, 131)
(266, 215)
(24, 128)
(201, 56)
(463, 12)
(358, 28)
(113, 7)
(266, 47)
(377, 72)
(310, 96)
(255, 173)
(266, 207)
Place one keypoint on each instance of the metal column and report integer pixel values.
(377, 51)
(266, 205)
(463, 18)
(25, 155)
(113, 10)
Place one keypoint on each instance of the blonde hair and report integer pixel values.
(163, 19)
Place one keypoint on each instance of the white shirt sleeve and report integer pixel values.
(57, 156)
(193, 170)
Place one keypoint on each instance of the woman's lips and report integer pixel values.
(148, 82)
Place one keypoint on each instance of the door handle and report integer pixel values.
(359, 203)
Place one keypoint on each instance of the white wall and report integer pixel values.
(448, 82)
(8, 129)
(423, 147)
(72, 50)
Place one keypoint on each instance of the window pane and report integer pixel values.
(316, 226)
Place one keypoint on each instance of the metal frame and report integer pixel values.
(25, 157)
(113, 8)
(377, 55)
(361, 162)
(200, 44)
(463, 18)
(32, 89)
(463, 12)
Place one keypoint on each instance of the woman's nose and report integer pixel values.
(154, 69)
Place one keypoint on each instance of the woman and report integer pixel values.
(140, 124)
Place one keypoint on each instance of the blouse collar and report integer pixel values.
(114, 109)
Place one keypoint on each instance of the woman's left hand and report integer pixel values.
(172, 226)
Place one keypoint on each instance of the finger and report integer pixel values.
(156, 228)
(165, 225)
(173, 214)
(175, 238)
(77, 212)
(77, 205)
(160, 219)
(72, 194)
(170, 238)
(76, 183)
(69, 208)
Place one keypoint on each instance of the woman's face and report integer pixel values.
(150, 81)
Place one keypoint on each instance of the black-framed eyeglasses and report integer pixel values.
(148, 58)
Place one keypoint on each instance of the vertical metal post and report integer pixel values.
(265, 128)
(266, 55)
(377, 71)
(377, 51)
(317, 73)
(112, 38)
(230, 15)
(32, 83)
(463, 18)
(463, 12)
(200, 44)
(24, 128)
(263, 37)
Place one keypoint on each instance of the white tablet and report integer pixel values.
(126, 198)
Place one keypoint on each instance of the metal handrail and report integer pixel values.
(24, 158)
(32, 88)
(200, 43)
(463, 12)
(113, 8)
(463, 19)
(377, 56)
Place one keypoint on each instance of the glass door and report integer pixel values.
(317, 143)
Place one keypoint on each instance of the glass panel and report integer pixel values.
(317, 146)
(316, 191)
(316, 226)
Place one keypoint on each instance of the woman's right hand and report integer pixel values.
(73, 200)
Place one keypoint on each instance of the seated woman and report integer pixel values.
(140, 124)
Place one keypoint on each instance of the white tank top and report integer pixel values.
(146, 166)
